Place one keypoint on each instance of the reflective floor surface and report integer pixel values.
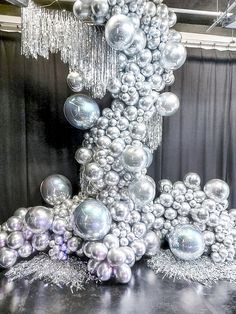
(146, 294)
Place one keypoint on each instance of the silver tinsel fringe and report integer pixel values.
(72, 273)
(82, 46)
(202, 270)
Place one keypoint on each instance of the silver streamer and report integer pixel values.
(154, 131)
(72, 273)
(202, 270)
(82, 46)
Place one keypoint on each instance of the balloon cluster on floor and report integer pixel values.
(114, 220)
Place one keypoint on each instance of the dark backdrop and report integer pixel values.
(36, 140)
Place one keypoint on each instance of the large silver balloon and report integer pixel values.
(173, 56)
(92, 220)
(82, 9)
(186, 242)
(8, 257)
(217, 190)
(39, 219)
(134, 158)
(119, 32)
(55, 189)
(81, 111)
(75, 81)
(167, 104)
(142, 190)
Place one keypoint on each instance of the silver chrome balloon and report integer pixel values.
(39, 219)
(142, 191)
(123, 273)
(15, 240)
(119, 32)
(186, 242)
(92, 220)
(134, 158)
(82, 9)
(75, 81)
(173, 56)
(81, 111)
(8, 257)
(167, 104)
(217, 190)
(55, 189)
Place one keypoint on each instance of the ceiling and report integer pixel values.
(186, 22)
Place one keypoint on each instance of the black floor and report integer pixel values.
(146, 294)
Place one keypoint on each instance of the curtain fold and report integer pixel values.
(36, 140)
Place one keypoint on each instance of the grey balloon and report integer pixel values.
(81, 111)
(92, 220)
(55, 189)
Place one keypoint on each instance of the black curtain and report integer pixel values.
(36, 140)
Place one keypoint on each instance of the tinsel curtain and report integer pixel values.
(36, 140)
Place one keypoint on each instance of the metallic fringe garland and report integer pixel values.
(72, 273)
(202, 270)
(154, 131)
(81, 45)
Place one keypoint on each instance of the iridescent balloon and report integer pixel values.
(142, 190)
(119, 32)
(81, 111)
(173, 56)
(8, 257)
(92, 220)
(39, 219)
(75, 81)
(167, 104)
(217, 190)
(55, 189)
(186, 242)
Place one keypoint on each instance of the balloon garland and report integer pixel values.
(114, 220)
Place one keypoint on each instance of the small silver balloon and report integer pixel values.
(192, 180)
(138, 44)
(116, 257)
(15, 240)
(93, 171)
(217, 189)
(21, 212)
(99, 251)
(55, 189)
(152, 242)
(75, 81)
(186, 242)
(40, 241)
(111, 241)
(39, 219)
(14, 223)
(167, 104)
(134, 158)
(100, 8)
(3, 238)
(8, 257)
(119, 32)
(173, 56)
(83, 155)
(104, 271)
(92, 220)
(81, 111)
(82, 9)
(123, 273)
(26, 250)
(142, 190)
